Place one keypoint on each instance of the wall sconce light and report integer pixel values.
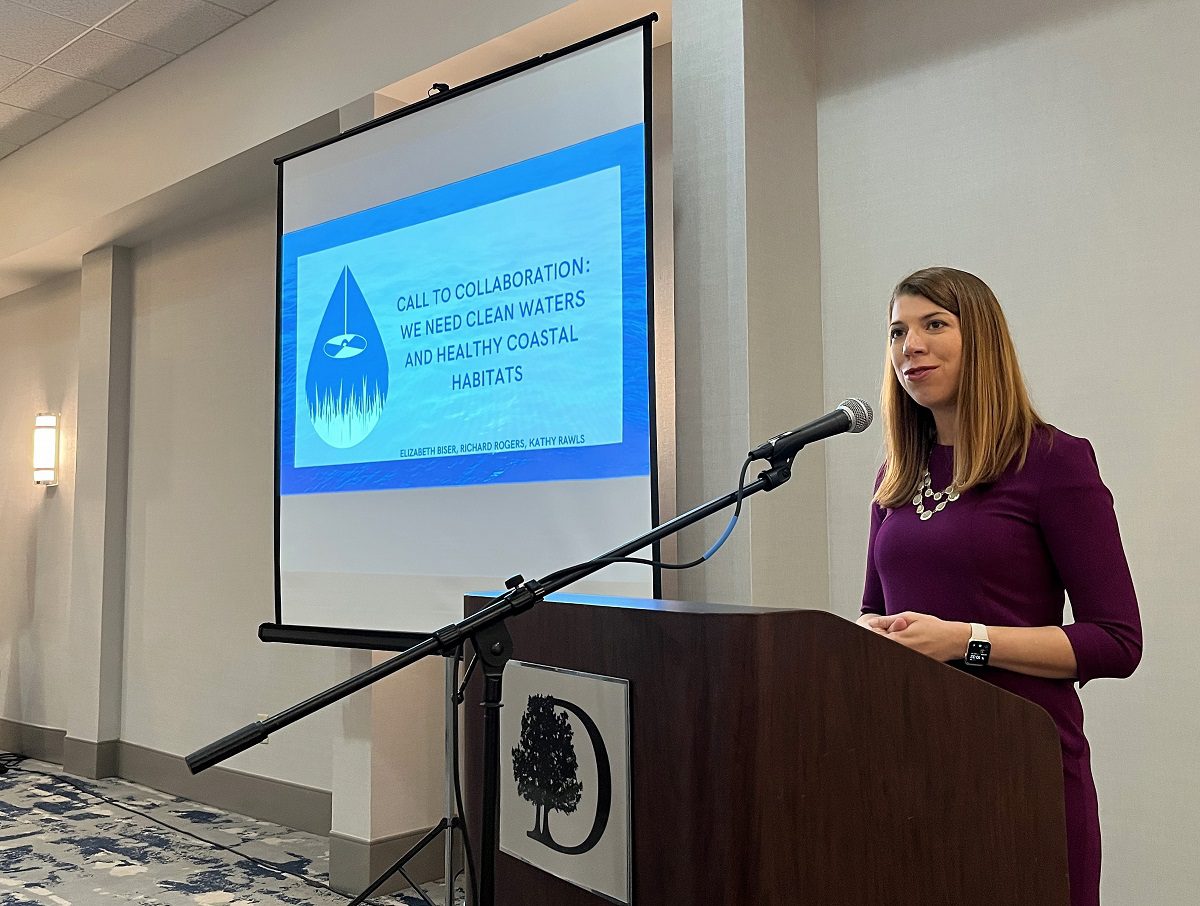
(45, 450)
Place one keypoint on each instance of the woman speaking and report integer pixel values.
(983, 516)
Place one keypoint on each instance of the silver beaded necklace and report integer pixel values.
(941, 498)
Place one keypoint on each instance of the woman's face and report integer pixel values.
(926, 349)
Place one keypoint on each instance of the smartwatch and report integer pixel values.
(979, 649)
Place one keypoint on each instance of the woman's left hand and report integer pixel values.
(942, 640)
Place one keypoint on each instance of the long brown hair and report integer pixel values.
(995, 418)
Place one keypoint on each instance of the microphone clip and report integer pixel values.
(779, 473)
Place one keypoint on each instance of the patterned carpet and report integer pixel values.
(66, 841)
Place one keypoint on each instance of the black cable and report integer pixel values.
(9, 761)
(585, 568)
(264, 863)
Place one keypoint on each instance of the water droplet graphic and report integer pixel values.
(347, 381)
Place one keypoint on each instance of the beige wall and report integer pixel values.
(38, 368)
(1056, 153)
(200, 575)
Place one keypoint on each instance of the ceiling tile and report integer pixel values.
(7, 149)
(10, 69)
(174, 25)
(107, 59)
(89, 12)
(30, 35)
(20, 127)
(245, 7)
(54, 93)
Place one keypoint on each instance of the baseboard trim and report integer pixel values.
(290, 804)
(91, 759)
(354, 864)
(32, 741)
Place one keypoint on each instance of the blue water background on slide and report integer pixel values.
(595, 193)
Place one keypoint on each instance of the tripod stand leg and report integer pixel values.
(442, 825)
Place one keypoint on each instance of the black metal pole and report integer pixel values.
(490, 837)
(494, 648)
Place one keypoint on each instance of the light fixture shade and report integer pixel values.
(45, 449)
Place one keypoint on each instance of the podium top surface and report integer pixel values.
(661, 605)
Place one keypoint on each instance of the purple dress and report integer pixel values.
(1002, 555)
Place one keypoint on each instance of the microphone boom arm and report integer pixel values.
(515, 600)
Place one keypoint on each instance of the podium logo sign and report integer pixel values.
(546, 769)
(564, 801)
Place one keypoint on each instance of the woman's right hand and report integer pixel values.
(882, 623)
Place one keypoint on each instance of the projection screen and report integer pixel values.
(465, 385)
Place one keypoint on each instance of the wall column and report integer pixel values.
(747, 288)
(98, 537)
(388, 775)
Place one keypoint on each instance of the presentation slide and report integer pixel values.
(492, 330)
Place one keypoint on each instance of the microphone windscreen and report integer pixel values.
(860, 414)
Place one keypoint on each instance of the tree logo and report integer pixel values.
(546, 769)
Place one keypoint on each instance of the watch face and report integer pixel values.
(978, 653)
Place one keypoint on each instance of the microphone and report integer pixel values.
(852, 415)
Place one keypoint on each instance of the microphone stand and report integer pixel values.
(489, 636)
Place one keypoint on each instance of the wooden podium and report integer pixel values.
(790, 757)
